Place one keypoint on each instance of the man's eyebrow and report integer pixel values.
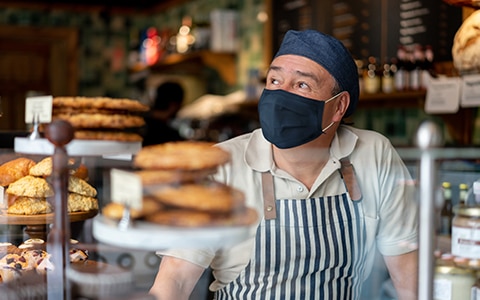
(300, 73)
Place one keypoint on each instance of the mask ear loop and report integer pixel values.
(326, 101)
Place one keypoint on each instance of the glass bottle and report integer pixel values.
(462, 193)
(446, 214)
(371, 80)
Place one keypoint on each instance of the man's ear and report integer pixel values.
(341, 106)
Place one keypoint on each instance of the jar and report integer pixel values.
(453, 283)
(476, 290)
(466, 232)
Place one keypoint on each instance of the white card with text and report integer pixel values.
(443, 96)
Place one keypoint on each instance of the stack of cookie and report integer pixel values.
(28, 189)
(175, 175)
(101, 118)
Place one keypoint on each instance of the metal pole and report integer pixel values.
(428, 136)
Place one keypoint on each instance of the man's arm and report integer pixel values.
(403, 270)
(176, 279)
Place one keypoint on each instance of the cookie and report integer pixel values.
(99, 103)
(44, 168)
(105, 135)
(152, 176)
(114, 210)
(112, 121)
(209, 197)
(186, 155)
(190, 218)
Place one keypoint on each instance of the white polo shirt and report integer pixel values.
(388, 202)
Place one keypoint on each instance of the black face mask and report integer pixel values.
(289, 120)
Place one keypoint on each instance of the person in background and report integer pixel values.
(338, 192)
(168, 101)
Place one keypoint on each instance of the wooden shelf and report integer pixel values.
(193, 63)
(459, 125)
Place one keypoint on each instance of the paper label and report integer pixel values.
(466, 242)
(442, 289)
(470, 91)
(443, 95)
(40, 107)
(126, 188)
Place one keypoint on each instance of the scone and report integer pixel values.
(29, 206)
(31, 186)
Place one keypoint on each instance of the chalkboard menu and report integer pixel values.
(373, 27)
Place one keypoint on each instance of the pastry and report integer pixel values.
(115, 210)
(192, 218)
(15, 169)
(31, 186)
(81, 187)
(209, 197)
(29, 206)
(77, 202)
(187, 155)
(149, 176)
(466, 44)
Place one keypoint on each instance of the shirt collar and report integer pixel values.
(258, 153)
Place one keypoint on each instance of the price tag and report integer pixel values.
(126, 188)
(40, 106)
(470, 91)
(443, 96)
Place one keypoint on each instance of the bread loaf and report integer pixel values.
(466, 44)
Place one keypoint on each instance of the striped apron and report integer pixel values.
(312, 249)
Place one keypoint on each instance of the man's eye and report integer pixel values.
(273, 81)
(303, 85)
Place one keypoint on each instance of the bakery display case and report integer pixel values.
(105, 255)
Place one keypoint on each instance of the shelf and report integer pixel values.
(223, 62)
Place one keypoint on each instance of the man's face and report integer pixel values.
(300, 75)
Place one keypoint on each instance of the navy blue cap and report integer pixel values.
(328, 52)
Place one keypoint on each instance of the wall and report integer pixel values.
(107, 39)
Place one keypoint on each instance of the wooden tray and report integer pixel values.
(44, 218)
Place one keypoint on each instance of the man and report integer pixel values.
(338, 192)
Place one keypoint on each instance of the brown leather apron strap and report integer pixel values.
(269, 208)
(348, 174)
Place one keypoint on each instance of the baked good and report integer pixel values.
(151, 177)
(31, 186)
(192, 218)
(466, 44)
(209, 197)
(44, 168)
(185, 155)
(15, 169)
(120, 136)
(99, 103)
(114, 210)
(81, 187)
(77, 202)
(12, 266)
(116, 121)
(29, 206)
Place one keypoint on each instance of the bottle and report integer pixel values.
(371, 80)
(388, 77)
(416, 73)
(462, 193)
(428, 68)
(401, 76)
(446, 214)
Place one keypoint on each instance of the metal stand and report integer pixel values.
(428, 136)
(59, 133)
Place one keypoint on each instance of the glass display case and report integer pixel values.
(101, 259)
